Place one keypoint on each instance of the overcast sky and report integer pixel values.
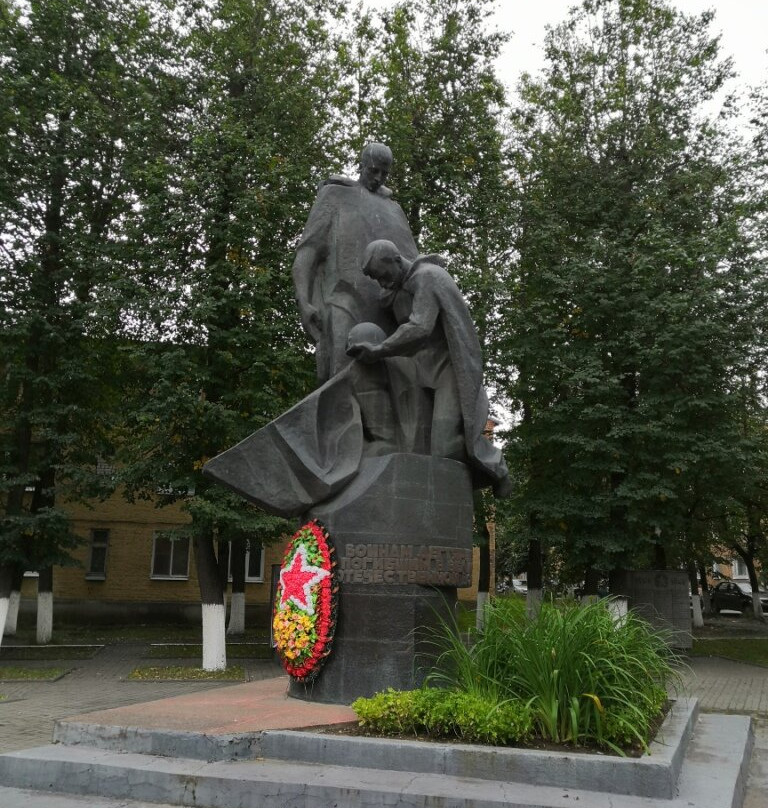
(743, 24)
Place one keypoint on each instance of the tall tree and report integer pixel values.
(745, 528)
(424, 82)
(427, 84)
(75, 78)
(631, 307)
(220, 350)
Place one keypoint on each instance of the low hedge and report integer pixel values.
(445, 714)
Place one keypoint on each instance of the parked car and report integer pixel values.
(512, 585)
(521, 587)
(748, 592)
(735, 597)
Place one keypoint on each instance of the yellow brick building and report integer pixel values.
(128, 570)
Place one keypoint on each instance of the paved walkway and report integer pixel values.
(28, 713)
(723, 686)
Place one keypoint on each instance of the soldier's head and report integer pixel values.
(382, 262)
(375, 164)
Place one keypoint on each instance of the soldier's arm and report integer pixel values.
(411, 335)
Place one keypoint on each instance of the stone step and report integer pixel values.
(712, 775)
(653, 775)
(25, 798)
(162, 742)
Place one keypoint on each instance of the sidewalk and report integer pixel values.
(28, 713)
(723, 686)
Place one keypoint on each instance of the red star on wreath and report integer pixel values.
(297, 581)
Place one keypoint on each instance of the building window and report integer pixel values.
(97, 564)
(170, 557)
(739, 568)
(254, 562)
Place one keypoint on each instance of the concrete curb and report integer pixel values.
(654, 775)
(26, 798)
(711, 777)
(164, 743)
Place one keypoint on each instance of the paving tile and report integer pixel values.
(28, 713)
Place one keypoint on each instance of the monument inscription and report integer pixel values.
(426, 565)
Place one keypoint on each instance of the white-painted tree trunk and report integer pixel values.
(4, 603)
(618, 609)
(757, 607)
(697, 614)
(214, 637)
(44, 617)
(11, 622)
(533, 603)
(482, 603)
(237, 614)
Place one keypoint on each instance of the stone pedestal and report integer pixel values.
(403, 537)
(662, 597)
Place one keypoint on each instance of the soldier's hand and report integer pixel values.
(365, 352)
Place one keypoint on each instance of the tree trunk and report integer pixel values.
(591, 584)
(11, 622)
(755, 539)
(212, 600)
(697, 617)
(6, 577)
(535, 579)
(704, 584)
(484, 574)
(222, 562)
(618, 607)
(45, 606)
(237, 605)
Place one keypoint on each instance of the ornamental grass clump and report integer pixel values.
(585, 677)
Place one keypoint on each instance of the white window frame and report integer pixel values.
(738, 568)
(170, 576)
(248, 579)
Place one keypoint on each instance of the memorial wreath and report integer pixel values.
(306, 602)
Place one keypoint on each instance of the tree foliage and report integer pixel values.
(215, 346)
(157, 163)
(76, 80)
(426, 85)
(632, 308)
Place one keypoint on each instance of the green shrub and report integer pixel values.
(395, 712)
(445, 714)
(584, 677)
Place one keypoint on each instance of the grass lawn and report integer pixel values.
(184, 673)
(66, 634)
(26, 653)
(13, 674)
(193, 650)
(752, 649)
